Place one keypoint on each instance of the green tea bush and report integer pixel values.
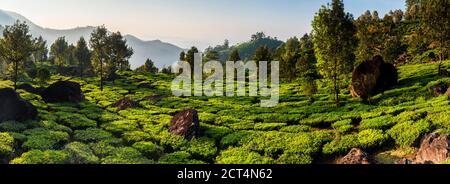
(170, 141)
(12, 126)
(407, 133)
(371, 138)
(43, 139)
(121, 126)
(102, 148)
(92, 135)
(180, 157)
(441, 120)
(81, 154)
(126, 155)
(75, 121)
(43, 157)
(341, 145)
(296, 129)
(51, 125)
(149, 149)
(216, 132)
(382, 122)
(6, 144)
(138, 136)
(234, 139)
(242, 156)
(343, 126)
(269, 126)
(201, 148)
(295, 157)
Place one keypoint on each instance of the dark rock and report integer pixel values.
(186, 124)
(448, 93)
(30, 89)
(434, 149)
(438, 89)
(373, 76)
(126, 103)
(356, 156)
(12, 107)
(63, 91)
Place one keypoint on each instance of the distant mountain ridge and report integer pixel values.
(163, 54)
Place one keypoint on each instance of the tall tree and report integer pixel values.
(234, 55)
(211, 55)
(99, 45)
(334, 44)
(306, 66)
(182, 56)
(83, 56)
(149, 67)
(190, 56)
(16, 46)
(119, 53)
(435, 18)
(59, 52)
(413, 10)
(40, 50)
(288, 58)
(262, 54)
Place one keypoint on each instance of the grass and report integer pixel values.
(233, 130)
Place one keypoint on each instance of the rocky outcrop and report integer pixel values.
(434, 149)
(186, 124)
(63, 91)
(126, 103)
(438, 89)
(356, 156)
(13, 107)
(373, 76)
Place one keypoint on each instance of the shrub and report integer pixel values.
(234, 139)
(407, 133)
(43, 157)
(126, 155)
(242, 156)
(121, 126)
(202, 148)
(12, 126)
(441, 120)
(269, 126)
(92, 135)
(149, 149)
(180, 157)
(371, 138)
(382, 122)
(43, 139)
(293, 157)
(6, 144)
(296, 129)
(102, 148)
(171, 141)
(138, 136)
(343, 126)
(75, 121)
(216, 132)
(341, 145)
(81, 154)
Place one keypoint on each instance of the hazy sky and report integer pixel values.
(188, 22)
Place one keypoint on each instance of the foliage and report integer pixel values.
(6, 144)
(43, 157)
(408, 133)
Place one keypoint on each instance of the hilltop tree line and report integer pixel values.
(104, 54)
(339, 42)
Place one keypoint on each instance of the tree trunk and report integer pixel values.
(16, 68)
(101, 75)
(335, 81)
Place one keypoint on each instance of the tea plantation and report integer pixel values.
(234, 130)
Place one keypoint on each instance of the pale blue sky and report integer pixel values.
(188, 22)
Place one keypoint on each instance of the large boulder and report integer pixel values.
(438, 89)
(13, 107)
(373, 76)
(63, 91)
(186, 124)
(434, 149)
(356, 156)
(448, 93)
(126, 103)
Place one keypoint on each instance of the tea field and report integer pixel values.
(234, 130)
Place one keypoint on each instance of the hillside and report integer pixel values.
(247, 49)
(233, 130)
(163, 54)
